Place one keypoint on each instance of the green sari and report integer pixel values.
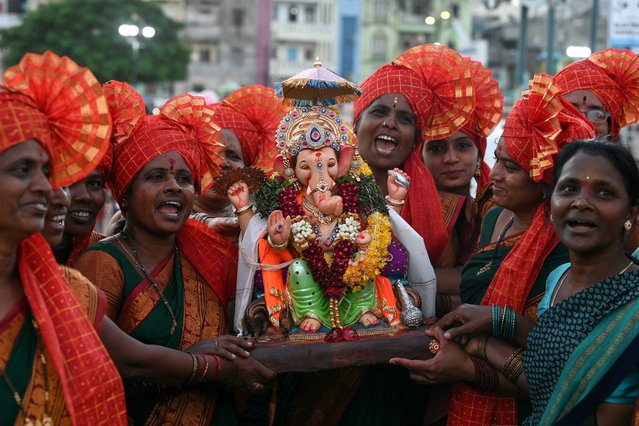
(481, 268)
(141, 313)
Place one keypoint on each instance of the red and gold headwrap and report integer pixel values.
(54, 101)
(537, 127)
(184, 125)
(448, 77)
(61, 105)
(252, 113)
(447, 96)
(394, 78)
(489, 109)
(613, 76)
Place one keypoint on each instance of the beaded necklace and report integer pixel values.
(135, 256)
(500, 240)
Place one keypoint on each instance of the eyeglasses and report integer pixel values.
(595, 115)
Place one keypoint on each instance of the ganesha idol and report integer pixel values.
(324, 247)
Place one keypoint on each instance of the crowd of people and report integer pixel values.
(535, 313)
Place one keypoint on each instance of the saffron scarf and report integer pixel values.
(91, 383)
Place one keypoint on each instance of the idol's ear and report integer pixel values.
(278, 165)
(345, 158)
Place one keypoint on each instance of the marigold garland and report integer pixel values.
(375, 258)
(360, 197)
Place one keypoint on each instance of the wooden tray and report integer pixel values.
(282, 355)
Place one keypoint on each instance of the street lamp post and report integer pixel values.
(131, 32)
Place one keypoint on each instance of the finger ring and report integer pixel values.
(401, 180)
(279, 228)
(433, 346)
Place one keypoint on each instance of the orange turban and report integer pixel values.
(489, 109)
(394, 78)
(252, 113)
(539, 125)
(51, 99)
(613, 76)
(184, 125)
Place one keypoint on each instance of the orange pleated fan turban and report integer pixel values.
(61, 105)
(184, 125)
(613, 76)
(252, 113)
(539, 125)
(489, 109)
(394, 78)
(54, 101)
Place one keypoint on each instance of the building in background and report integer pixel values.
(222, 37)
(392, 26)
(349, 40)
(300, 31)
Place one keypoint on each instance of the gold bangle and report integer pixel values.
(242, 210)
(393, 202)
(514, 366)
(276, 246)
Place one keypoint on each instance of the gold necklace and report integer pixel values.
(46, 418)
(317, 214)
(135, 256)
(563, 279)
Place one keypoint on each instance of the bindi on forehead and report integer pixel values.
(171, 164)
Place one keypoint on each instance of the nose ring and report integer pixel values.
(384, 124)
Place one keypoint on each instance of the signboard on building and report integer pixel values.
(623, 24)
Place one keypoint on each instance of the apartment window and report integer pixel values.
(309, 54)
(310, 14)
(380, 45)
(293, 12)
(291, 54)
(380, 11)
(238, 18)
(204, 55)
(237, 56)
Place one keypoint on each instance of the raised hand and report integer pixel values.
(279, 228)
(398, 183)
(238, 194)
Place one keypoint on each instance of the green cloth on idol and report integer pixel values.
(18, 371)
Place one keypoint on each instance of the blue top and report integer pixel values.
(628, 390)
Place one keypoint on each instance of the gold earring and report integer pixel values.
(478, 169)
(627, 225)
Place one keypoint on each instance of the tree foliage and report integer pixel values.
(87, 32)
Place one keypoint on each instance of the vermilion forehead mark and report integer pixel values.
(171, 164)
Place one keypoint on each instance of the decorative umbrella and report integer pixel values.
(316, 86)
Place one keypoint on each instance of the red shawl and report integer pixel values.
(92, 386)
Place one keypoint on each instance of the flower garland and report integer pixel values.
(338, 276)
(375, 257)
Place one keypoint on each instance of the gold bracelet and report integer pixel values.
(393, 202)
(514, 366)
(276, 246)
(242, 210)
